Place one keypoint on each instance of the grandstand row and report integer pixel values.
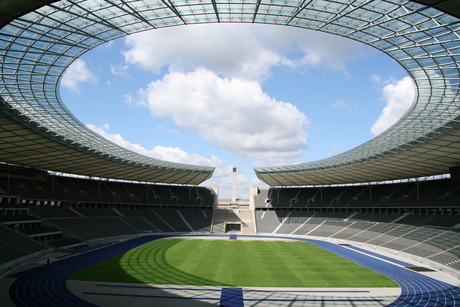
(63, 188)
(420, 218)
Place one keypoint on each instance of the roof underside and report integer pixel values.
(37, 47)
(434, 157)
(29, 145)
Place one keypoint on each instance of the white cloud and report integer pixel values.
(128, 99)
(339, 105)
(398, 96)
(119, 70)
(335, 149)
(222, 176)
(223, 106)
(174, 131)
(238, 50)
(231, 51)
(106, 127)
(172, 154)
(321, 50)
(235, 114)
(376, 79)
(76, 73)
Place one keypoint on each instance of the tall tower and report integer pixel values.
(234, 185)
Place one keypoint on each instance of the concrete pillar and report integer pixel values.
(234, 185)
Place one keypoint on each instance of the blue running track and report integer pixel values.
(416, 289)
(46, 285)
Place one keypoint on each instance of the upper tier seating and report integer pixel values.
(438, 193)
(85, 191)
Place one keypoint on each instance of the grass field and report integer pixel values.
(233, 263)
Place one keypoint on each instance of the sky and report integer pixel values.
(241, 95)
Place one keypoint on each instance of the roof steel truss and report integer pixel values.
(37, 47)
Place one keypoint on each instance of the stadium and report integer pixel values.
(72, 199)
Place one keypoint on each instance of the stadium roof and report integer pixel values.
(38, 42)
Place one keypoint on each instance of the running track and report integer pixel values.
(46, 285)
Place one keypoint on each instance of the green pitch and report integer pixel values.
(233, 263)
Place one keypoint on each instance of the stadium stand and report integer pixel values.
(40, 211)
(14, 245)
(95, 193)
(419, 218)
(406, 194)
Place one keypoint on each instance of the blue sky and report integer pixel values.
(236, 95)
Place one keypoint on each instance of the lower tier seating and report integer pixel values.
(441, 245)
